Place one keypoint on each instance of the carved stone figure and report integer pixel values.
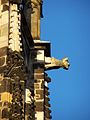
(53, 63)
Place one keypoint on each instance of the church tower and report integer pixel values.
(24, 60)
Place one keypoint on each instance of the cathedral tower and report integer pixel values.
(24, 60)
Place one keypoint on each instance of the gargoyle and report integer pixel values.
(53, 63)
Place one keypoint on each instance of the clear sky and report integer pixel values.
(66, 25)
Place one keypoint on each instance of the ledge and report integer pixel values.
(43, 45)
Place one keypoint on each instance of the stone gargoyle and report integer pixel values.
(53, 63)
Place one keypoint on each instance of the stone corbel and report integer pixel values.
(53, 63)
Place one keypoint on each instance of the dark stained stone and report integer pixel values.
(2, 61)
(5, 86)
(0, 97)
(3, 51)
(37, 80)
(33, 54)
(38, 76)
(41, 93)
(47, 99)
(47, 113)
(46, 92)
(47, 103)
(42, 85)
(36, 86)
(0, 103)
(46, 88)
(4, 1)
(39, 70)
(38, 65)
(39, 106)
(15, 1)
(48, 79)
(48, 116)
(5, 113)
(2, 69)
(5, 8)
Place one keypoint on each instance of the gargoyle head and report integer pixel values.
(65, 63)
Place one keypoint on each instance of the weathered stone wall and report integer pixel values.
(32, 13)
(9, 40)
(5, 96)
(41, 80)
(47, 113)
(23, 85)
(39, 85)
(4, 20)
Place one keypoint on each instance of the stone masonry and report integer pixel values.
(24, 60)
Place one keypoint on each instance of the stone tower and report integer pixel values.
(24, 60)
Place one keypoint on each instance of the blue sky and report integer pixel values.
(66, 24)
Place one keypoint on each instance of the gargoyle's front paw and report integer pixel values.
(65, 63)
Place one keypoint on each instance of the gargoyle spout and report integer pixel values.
(65, 63)
(53, 63)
